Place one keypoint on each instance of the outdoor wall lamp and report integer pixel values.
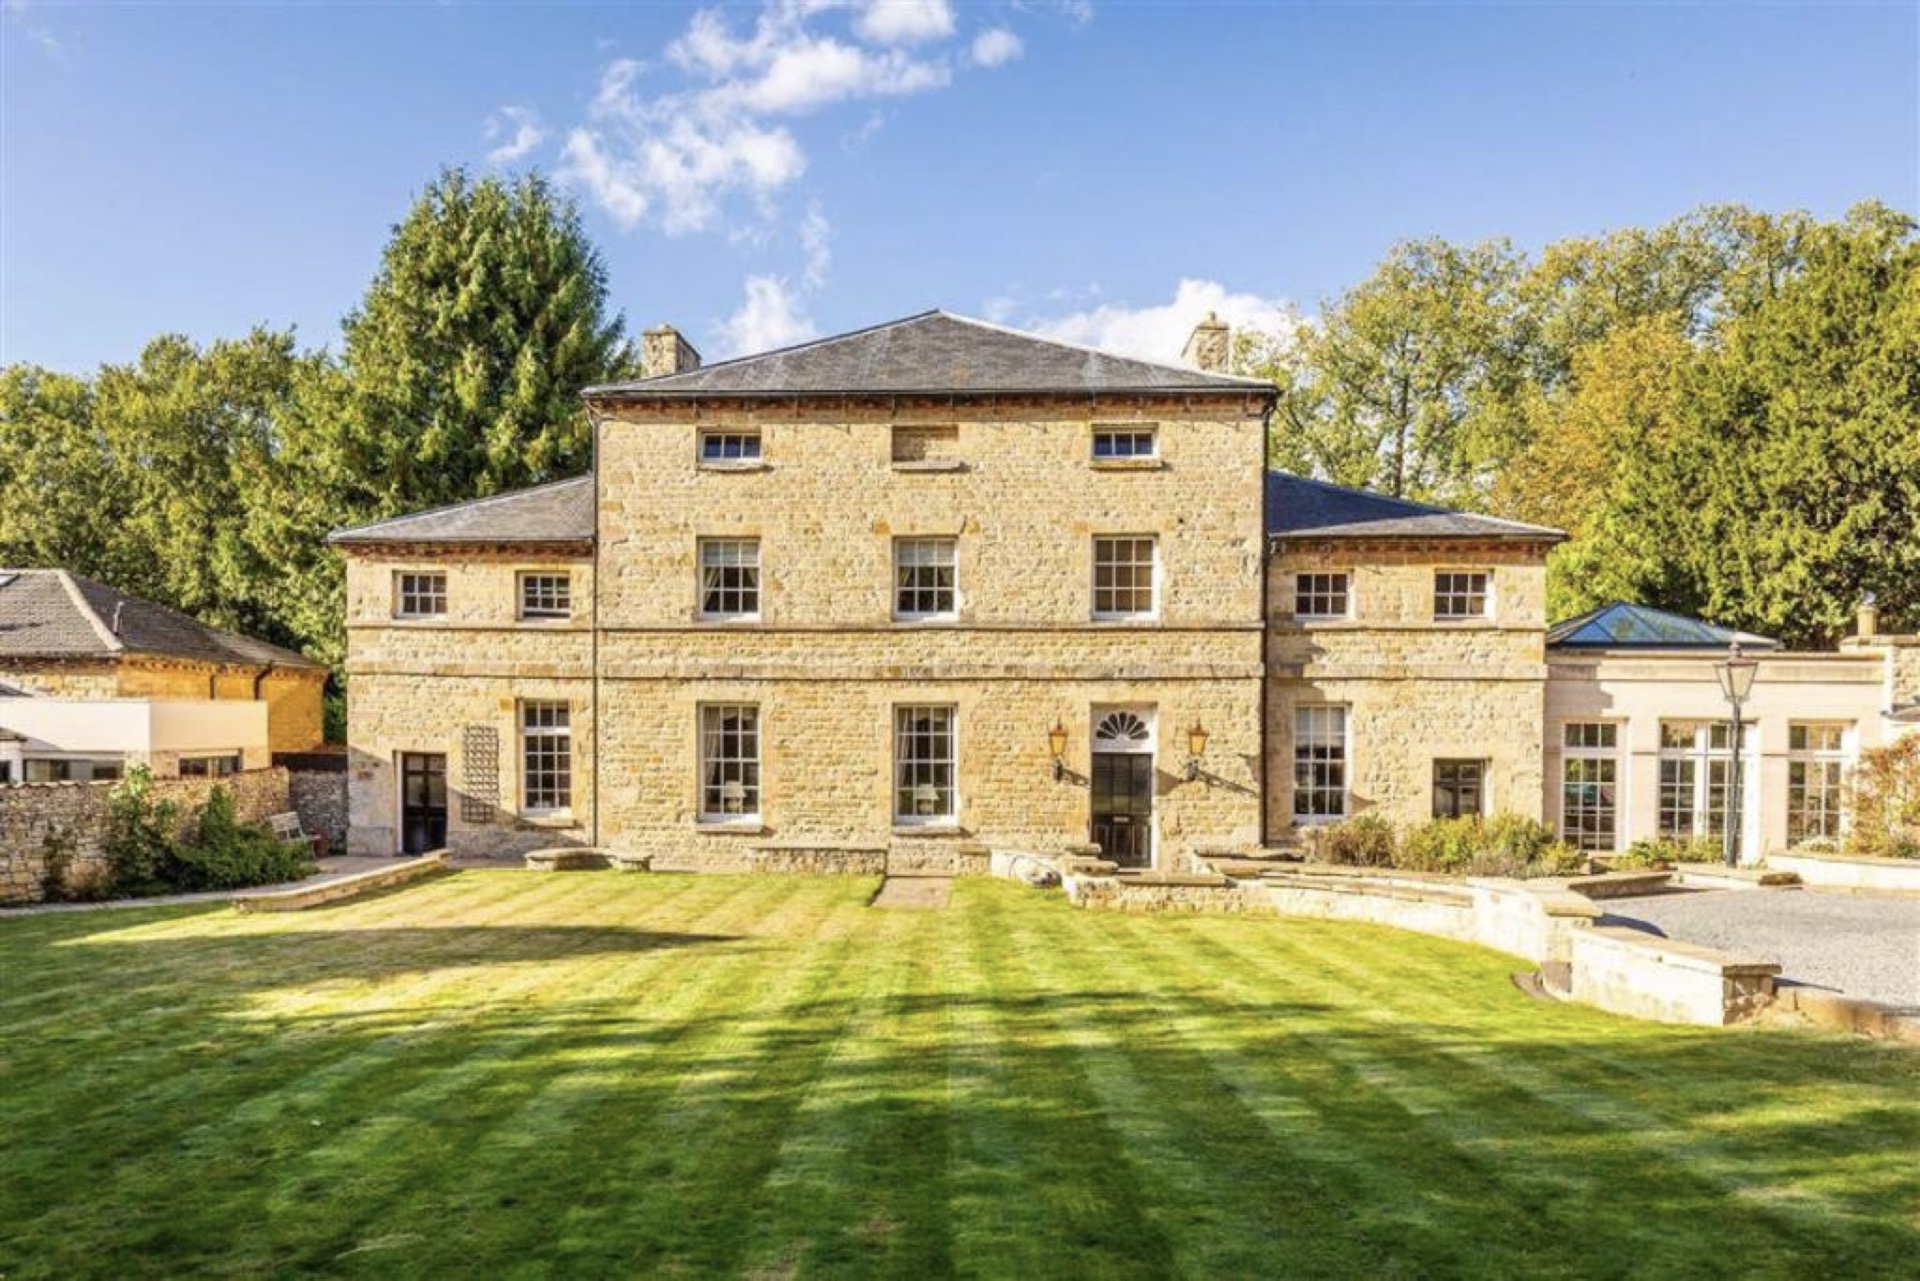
(1057, 744)
(1736, 672)
(1196, 748)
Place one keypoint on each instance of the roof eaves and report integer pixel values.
(354, 533)
(639, 385)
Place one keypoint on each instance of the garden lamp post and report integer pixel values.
(1736, 672)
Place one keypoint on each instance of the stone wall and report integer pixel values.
(319, 797)
(1416, 690)
(67, 822)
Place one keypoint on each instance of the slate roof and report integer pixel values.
(1298, 507)
(561, 512)
(49, 613)
(1620, 625)
(935, 352)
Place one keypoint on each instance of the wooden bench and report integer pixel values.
(287, 828)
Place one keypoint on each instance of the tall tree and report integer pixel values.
(1399, 385)
(58, 503)
(467, 356)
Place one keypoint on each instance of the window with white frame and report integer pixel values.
(1589, 785)
(1459, 788)
(1123, 576)
(546, 595)
(1134, 440)
(924, 577)
(419, 594)
(1321, 595)
(1696, 778)
(729, 762)
(546, 754)
(1816, 780)
(729, 446)
(215, 766)
(924, 752)
(1319, 763)
(730, 577)
(1460, 594)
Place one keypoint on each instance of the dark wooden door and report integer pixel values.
(1123, 807)
(423, 802)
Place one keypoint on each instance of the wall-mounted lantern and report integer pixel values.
(1057, 744)
(1196, 748)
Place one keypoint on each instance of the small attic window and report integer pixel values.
(927, 445)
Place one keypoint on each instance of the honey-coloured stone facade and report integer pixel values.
(294, 696)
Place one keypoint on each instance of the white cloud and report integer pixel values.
(991, 48)
(1159, 331)
(904, 21)
(769, 316)
(521, 129)
(17, 13)
(816, 239)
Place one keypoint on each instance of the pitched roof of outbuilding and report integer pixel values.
(561, 512)
(50, 613)
(1299, 507)
(934, 352)
(1621, 625)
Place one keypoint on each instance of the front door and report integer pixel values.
(1123, 807)
(423, 802)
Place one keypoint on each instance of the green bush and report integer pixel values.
(141, 846)
(1441, 845)
(1365, 841)
(228, 854)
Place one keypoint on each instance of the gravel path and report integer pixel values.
(1860, 944)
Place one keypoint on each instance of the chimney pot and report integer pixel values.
(663, 351)
(1209, 348)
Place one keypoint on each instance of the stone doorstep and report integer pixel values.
(1847, 1013)
(300, 897)
(1605, 885)
(1718, 876)
(1687, 956)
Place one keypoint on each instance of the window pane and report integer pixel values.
(923, 764)
(1588, 803)
(1123, 584)
(729, 446)
(1320, 762)
(729, 761)
(924, 577)
(730, 577)
(1460, 595)
(420, 595)
(1458, 788)
(1320, 595)
(547, 755)
(546, 596)
(1124, 442)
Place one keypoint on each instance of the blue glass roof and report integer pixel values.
(1623, 626)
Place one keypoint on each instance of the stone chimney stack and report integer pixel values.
(1869, 619)
(663, 351)
(1208, 348)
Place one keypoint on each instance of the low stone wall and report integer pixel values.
(62, 827)
(797, 859)
(320, 798)
(302, 897)
(1850, 871)
(1647, 977)
(1164, 893)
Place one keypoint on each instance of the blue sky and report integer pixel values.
(759, 173)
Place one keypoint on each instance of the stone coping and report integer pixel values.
(1685, 956)
(1619, 884)
(1721, 877)
(1847, 1013)
(1859, 860)
(1452, 895)
(300, 897)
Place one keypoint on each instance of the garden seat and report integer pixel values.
(287, 828)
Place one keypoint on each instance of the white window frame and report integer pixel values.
(951, 565)
(408, 593)
(1585, 753)
(906, 772)
(736, 767)
(1303, 591)
(555, 740)
(731, 447)
(717, 547)
(1709, 785)
(1454, 591)
(1309, 738)
(1153, 578)
(549, 612)
(1804, 755)
(1482, 765)
(1128, 435)
(213, 764)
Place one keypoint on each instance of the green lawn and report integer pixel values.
(595, 1074)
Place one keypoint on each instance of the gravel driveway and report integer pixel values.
(1861, 944)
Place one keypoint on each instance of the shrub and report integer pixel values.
(1365, 841)
(228, 854)
(1886, 801)
(1441, 845)
(141, 846)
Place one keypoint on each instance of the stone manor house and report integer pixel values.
(938, 586)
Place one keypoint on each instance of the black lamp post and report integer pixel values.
(1736, 672)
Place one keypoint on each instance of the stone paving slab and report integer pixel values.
(914, 893)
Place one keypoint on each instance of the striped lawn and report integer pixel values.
(502, 1074)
